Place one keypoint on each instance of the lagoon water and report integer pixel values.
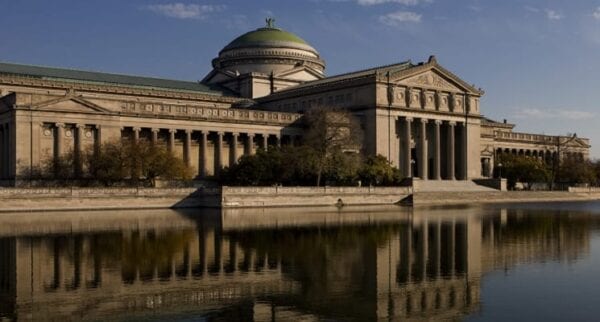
(481, 263)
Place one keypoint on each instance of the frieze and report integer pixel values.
(139, 108)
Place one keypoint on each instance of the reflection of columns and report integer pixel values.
(171, 142)
(424, 248)
(219, 152)
(204, 154)
(155, 136)
(450, 151)
(265, 142)
(278, 138)
(452, 245)
(438, 248)
(187, 148)
(136, 134)
(250, 144)
(422, 148)
(234, 145)
(406, 148)
(437, 152)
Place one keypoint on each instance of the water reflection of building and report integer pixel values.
(387, 265)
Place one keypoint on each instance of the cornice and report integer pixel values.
(117, 89)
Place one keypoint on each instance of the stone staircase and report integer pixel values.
(448, 186)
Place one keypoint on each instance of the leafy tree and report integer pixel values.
(524, 169)
(576, 171)
(376, 170)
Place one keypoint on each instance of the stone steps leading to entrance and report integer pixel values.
(448, 186)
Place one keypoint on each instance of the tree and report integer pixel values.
(120, 160)
(524, 169)
(329, 132)
(574, 170)
(376, 170)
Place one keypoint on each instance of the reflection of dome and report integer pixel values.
(266, 50)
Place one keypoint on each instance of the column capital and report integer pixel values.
(235, 134)
(97, 126)
(451, 123)
(136, 129)
(155, 130)
(437, 122)
(408, 119)
(80, 126)
(220, 133)
(251, 135)
(59, 124)
(187, 131)
(423, 120)
(172, 131)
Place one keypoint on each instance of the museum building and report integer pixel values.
(422, 117)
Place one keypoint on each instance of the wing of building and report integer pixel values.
(423, 118)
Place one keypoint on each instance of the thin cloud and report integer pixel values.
(399, 18)
(553, 15)
(539, 114)
(596, 14)
(403, 2)
(184, 11)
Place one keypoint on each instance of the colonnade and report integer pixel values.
(215, 149)
(205, 138)
(439, 149)
(543, 155)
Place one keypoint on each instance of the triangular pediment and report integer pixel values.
(301, 73)
(69, 103)
(433, 76)
(578, 143)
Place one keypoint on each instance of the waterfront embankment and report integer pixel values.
(51, 199)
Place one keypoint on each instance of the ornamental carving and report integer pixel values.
(431, 80)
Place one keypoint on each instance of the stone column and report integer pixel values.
(437, 160)
(136, 134)
(406, 147)
(2, 153)
(187, 148)
(59, 139)
(219, 152)
(422, 148)
(450, 152)
(155, 136)
(98, 140)
(78, 148)
(250, 144)
(204, 154)
(461, 158)
(234, 144)
(265, 142)
(278, 138)
(171, 142)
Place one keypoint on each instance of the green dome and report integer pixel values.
(269, 37)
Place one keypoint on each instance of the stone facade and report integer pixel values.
(423, 118)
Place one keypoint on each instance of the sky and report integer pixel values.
(538, 61)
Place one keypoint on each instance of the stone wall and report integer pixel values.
(233, 197)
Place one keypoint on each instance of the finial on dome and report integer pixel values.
(270, 22)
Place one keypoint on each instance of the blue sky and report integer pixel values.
(538, 61)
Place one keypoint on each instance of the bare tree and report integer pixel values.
(331, 131)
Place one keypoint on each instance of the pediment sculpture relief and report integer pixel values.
(431, 80)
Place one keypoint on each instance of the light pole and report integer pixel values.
(500, 170)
